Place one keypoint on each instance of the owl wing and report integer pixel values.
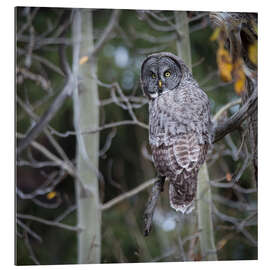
(184, 156)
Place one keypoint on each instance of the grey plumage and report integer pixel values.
(179, 119)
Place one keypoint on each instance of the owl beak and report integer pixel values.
(160, 83)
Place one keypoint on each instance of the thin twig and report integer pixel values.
(28, 230)
(67, 167)
(151, 205)
(56, 145)
(66, 213)
(128, 194)
(225, 108)
(49, 223)
(43, 61)
(29, 20)
(30, 249)
(108, 143)
(236, 120)
(106, 33)
(46, 117)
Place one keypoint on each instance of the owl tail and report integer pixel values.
(182, 192)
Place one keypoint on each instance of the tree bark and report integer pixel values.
(86, 116)
(183, 41)
(205, 223)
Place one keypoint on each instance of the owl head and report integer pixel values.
(160, 73)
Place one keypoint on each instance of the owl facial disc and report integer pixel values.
(160, 73)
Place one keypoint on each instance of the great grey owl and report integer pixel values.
(180, 124)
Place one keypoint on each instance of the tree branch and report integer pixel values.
(106, 33)
(46, 117)
(236, 120)
(128, 194)
(49, 223)
(151, 205)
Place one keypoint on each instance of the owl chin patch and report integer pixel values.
(154, 95)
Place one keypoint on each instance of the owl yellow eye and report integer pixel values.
(167, 74)
(153, 75)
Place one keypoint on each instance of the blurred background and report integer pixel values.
(46, 191)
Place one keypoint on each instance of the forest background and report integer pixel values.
(124, 157)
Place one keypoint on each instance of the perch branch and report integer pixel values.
(151, 205)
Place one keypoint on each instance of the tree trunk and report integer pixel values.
(205, 224)
(86, 116)
(183, 41)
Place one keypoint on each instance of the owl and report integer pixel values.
(179, 125)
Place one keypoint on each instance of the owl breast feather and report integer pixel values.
(179, 112)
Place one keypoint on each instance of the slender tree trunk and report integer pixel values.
(86, 116)
(183, 41)
(205, 223)
(204, 200)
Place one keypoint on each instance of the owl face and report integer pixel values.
(159, 74)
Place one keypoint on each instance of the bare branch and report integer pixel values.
(128, 194)
(157, 27)
(237, 224)
(49, 223)
(149, 38)
(236, 120)
(52, 140)
(29, 20)
(106, 33)
(225, 108)
(30, 46)
(137, 102)
(108, 143)
(28, 230)
(198, 17)
(47, 205)
(159, 16)
(66, 213)
(234, 204)
(30, 249)
(64, 165)
(151, 205)
(46, 117)
(40, 80)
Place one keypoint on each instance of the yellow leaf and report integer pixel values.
(83, 60)
(51, 195)
(215, 34)
(239, 85)
(253, 53)
(240, 78)
(221, 243)
(228, 177)
(224, 62)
